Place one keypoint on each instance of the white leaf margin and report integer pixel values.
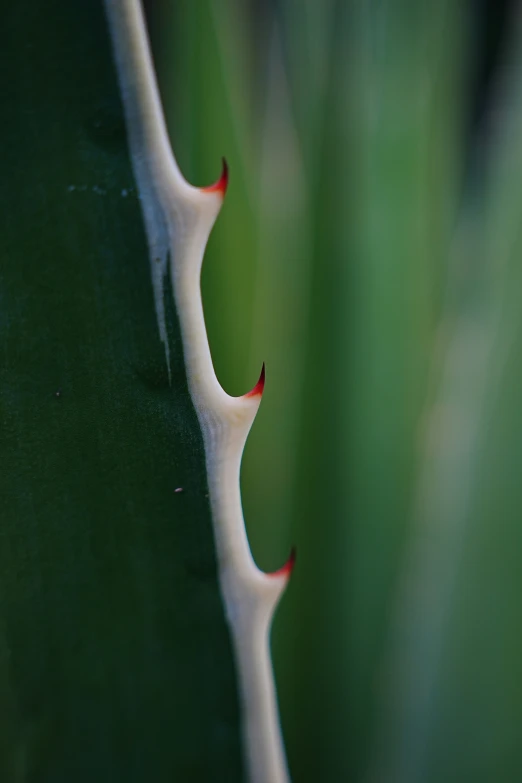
(178, 219)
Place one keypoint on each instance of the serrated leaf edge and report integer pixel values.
(178, 219)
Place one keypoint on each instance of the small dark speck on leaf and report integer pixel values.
(178, 489)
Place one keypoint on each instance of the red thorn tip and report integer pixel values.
(221, 185)
(288, 567)
(257, 391)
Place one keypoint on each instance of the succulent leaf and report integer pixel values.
(134, 634)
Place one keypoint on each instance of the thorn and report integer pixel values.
(221, 185)
(288, 567)
(257, 391)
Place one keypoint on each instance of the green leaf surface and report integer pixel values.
(115, 659)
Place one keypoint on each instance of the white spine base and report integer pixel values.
(178, 219)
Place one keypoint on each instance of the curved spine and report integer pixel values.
(178, 219)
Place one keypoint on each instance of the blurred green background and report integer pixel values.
(369, 251)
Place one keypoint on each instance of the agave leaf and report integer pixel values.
(116, 658)
(459, 639)
(381, 228)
